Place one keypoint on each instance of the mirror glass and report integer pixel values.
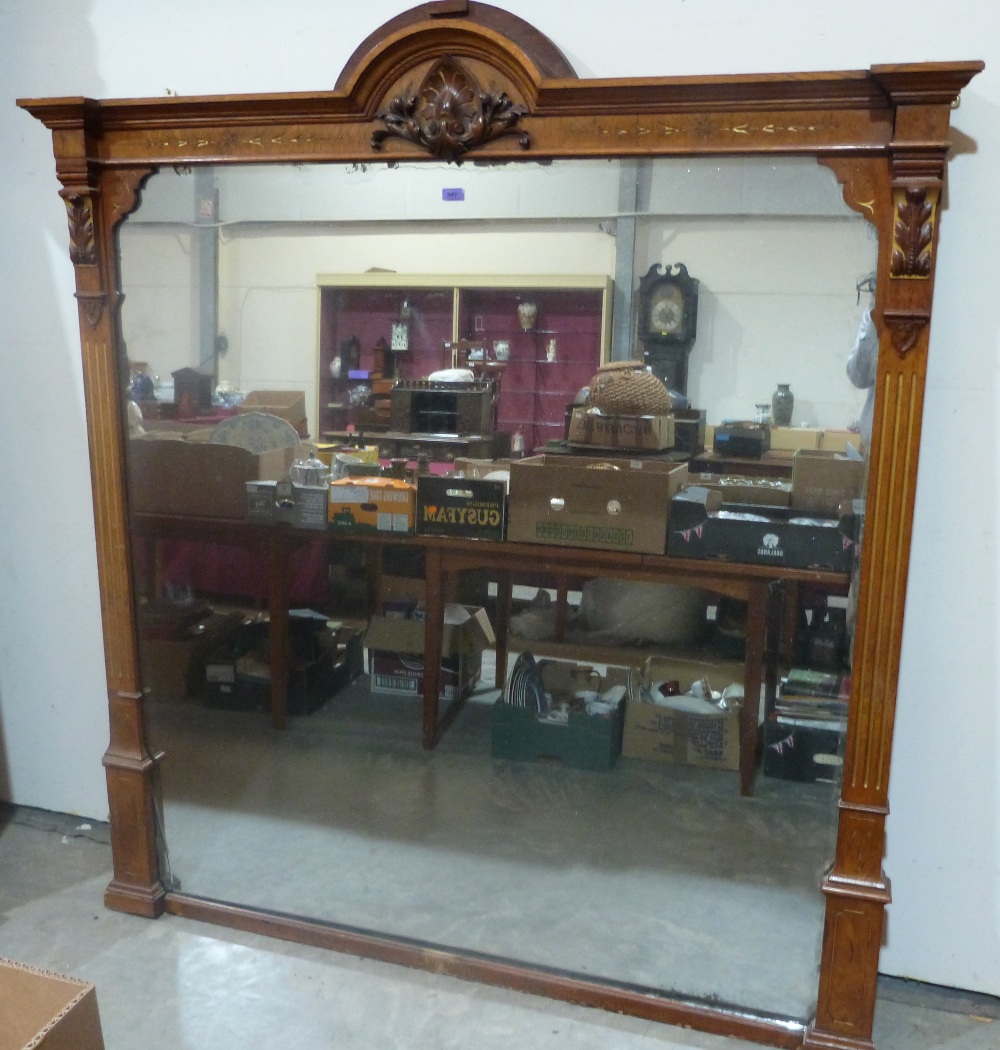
(265, 307)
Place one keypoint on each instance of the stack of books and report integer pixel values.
(813, 699)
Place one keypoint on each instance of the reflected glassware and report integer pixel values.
(310, 470)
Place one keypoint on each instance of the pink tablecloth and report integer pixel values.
(222, 571)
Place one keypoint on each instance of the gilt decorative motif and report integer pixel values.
(81, 230)
(912, 234)
(450, 115)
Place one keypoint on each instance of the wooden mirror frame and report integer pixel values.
(885, 134)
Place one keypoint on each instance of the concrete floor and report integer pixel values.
(652, 874)
(174, 984)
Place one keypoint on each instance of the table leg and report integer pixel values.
(757, 614)
(776, 639)
(373, 577)
(435, 578)
(790, 625)
(505, 591)
(277, 606)
(562, 603)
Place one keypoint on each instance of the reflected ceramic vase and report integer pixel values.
(782, 403)
(527, 314)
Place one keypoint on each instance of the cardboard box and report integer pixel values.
(618, 504)
(575, 738)
(396, 654)
(764, 536)
(40, 1010)
(285, 503)
(372, 505)
(197, 478)
(788, 439)
(822, 481)
(173, 669)
(469, 508)
(478, 468)
(762, 491)
(660, 734)
(288, 404)
(323, 661)
(402, 674)
(688, 666)
(838, 440)
(589, 427)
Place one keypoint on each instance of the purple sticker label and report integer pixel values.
(455, 194)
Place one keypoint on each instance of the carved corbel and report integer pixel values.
(905, 327)
(450, 115)
(92, 304)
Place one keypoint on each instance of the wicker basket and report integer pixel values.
(628, 388)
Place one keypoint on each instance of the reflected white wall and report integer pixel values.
(776, 251)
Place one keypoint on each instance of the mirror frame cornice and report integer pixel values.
(885, 134)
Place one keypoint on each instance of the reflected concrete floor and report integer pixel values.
(175, 984)
(654, 875)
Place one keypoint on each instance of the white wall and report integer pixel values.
(944, 842)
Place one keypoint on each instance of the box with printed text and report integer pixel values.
(375, 504)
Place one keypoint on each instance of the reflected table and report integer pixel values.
(769, 591)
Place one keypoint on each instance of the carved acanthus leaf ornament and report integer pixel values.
(450, 115)
(913, 233)
(81, 229)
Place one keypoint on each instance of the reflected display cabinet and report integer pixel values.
(464, 81)
(541, 339)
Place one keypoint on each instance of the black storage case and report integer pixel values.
(776, 535)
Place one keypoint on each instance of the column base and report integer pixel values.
(148, 903)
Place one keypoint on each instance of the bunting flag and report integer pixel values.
(685, 534)
(782, 746)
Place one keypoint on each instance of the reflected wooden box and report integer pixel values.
(422, 407)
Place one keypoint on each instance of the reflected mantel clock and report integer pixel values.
(668, 322)
(884, 131)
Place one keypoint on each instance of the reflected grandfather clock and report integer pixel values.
(668, 322)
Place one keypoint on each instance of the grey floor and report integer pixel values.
(174, 984)
(659, 876)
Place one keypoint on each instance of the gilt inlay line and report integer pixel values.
(886, 589)
(114, 570)
(899, 552)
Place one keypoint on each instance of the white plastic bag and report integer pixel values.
(630, 611)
